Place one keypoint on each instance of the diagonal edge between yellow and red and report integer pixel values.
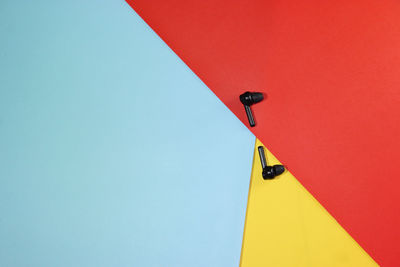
(331, 74)
(286, 226)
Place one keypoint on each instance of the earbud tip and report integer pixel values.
(279, 169)
(257, 97)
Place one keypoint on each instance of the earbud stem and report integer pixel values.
(249, 115)
(262, 157)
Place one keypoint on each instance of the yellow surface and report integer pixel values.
(286, 226)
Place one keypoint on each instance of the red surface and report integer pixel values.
(331, 72)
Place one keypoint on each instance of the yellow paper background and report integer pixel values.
(286, 226)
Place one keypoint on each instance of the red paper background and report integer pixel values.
(331, 73)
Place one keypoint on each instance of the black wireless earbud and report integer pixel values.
(249, 99)
(269, 172)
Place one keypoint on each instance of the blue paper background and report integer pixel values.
(112, 152)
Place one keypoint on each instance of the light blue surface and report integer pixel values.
(112, 152)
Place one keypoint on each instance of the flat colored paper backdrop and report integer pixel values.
(112, 152)
(331, 74)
